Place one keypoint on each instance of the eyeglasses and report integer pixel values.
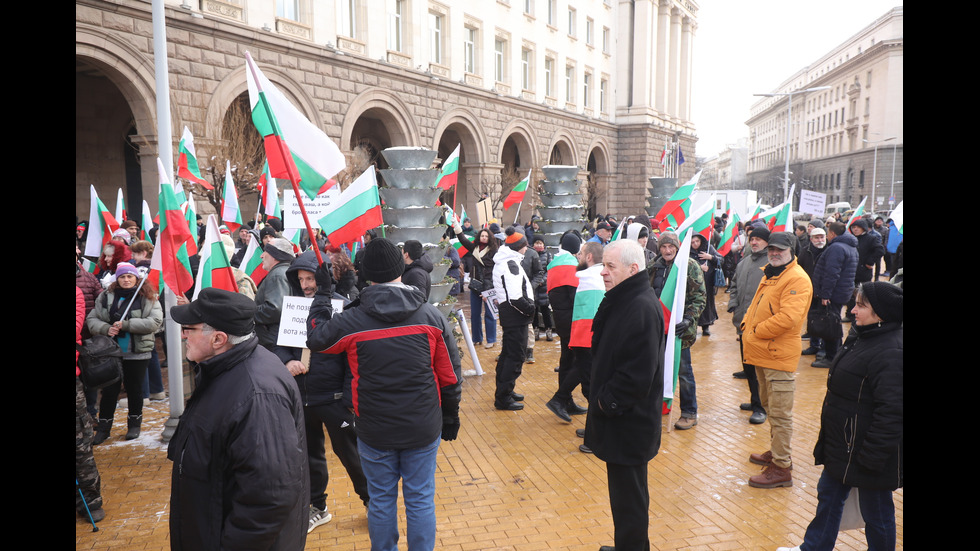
(186, 329)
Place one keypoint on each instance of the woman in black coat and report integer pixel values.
(861, 441)
(710, 261)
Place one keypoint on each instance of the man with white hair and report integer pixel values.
(623, 424)
(276, 257)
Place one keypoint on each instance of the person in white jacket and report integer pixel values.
(515, 306)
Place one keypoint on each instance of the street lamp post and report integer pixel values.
(874, 170)
(789, 124)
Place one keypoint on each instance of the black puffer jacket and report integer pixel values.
(861, 441)
(403, 360)
(240, 475)
(418, 274)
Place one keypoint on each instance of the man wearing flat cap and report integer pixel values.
(240, 477)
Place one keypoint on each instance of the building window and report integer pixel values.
(867, 106)
(605, 40)
(552, 12)
(589, 31)
(469, 50)
(603, 85)
(396, 26)
(869, 80)
(526, 69)
(287, 9)
(571, 22)
(529, 7)
(586, 89)
(549, 70)
(499, 59)
(569, 83)
(348, 13)
(435, 38)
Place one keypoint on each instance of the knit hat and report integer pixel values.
(760, 232)
(127, 238)
(280, 249)
(885, 299)
(413, 248)
(817, 223)
(571, 241)
(124, 268)
(382, 261)
(668, 238)
(515, 239)
(225, 311)
(267, 231)
(129, 224)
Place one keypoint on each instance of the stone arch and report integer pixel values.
(388, 110)
(522, 135)
(474, 140)
(130, 137)
(563, 143)
(460, 126)
(599, 170)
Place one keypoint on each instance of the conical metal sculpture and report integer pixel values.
(561, 203)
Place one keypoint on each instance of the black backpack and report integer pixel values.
(100, 360)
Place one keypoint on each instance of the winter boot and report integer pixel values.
(134, 426)
(102, 431)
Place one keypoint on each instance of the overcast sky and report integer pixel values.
(751, 47)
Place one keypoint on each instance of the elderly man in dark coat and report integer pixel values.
(623, 424)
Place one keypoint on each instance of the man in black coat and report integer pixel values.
(623, 424)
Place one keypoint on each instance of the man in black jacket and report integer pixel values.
(405, 388)
(418, 267)
(626, 395)
(240, 477)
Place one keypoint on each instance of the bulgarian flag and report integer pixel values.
(190, 214)
(677, 208)
(663, 157)
(231, 215)
(460, 249)
(781, 219)
(858, 212)
(450, 170)
(120, 207)
(187, 167)
(215, 270)
(672, 301)
(89, 266)
(757, 211)
(700, 220)
(295, 148)
(730, 233)
(588, 295)
(270, 198)
(252, 261)
(561, 270)
(146, 222)
(357, 210)
(174, 263)
(898, 216)
(101, 225)
(154, 276)
(517, 194)
(293, 236)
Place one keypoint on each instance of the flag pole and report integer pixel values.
(293, 178)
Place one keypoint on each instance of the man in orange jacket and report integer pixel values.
(771, 342)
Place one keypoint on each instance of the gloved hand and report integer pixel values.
(324, 278)
(683, 325)
(450, 428)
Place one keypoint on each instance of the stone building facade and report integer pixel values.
(601, 84)
(835, 131)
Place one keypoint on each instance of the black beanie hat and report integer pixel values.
(760, 232)
(885, 299)
(571, 241)
(382, 261)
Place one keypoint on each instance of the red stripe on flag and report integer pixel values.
(281, 164)
(353, 230)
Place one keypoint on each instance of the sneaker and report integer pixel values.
(158, 396)
(558, 408)
(548, 336)
(797, 548)
(318, 517)
(488, 345)
(757, 418)
(685, 423)
(772, 477)
(530, 356)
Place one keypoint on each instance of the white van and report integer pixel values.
(834, 208)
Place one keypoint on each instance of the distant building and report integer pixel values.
(601, 84)
(834, 132)
(727, 170)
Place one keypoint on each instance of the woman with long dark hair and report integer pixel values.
(131, 314)
(481, 277)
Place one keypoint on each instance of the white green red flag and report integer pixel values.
(252, 261)
(231, 214)
(174, 234)
(677, 208)
(858, 212)
(460, 249)
(357, 210)
(450, 170)
(101, 225)
(517, 194)
(588, 295)
(296, 149)
(120, 207)
(780, 220)
(146, 224)
(756, 212)
(730, 233)
(700, 220)
(561, 270)
(672, 301)
(898, 216)
(215, 268)
(293, 236)
(154, 278)
(187, 166)
(89, 266)
(270, 198)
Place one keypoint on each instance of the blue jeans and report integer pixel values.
(685, 383)
(877, 508)
(476, 327)
(416, 468)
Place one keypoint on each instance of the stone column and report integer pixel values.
(687, 45)
(644, 36)
(674, 70)
(663, 50)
